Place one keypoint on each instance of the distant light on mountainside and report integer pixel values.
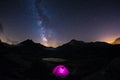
(117, 41)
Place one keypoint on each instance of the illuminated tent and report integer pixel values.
(61, 71)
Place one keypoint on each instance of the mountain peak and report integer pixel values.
(28, 41)
(75, 42)
(31, 43)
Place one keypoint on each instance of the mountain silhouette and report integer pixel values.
(85, 61)
(29, 42)
(75, 42)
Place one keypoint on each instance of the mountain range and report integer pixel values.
(85, 61)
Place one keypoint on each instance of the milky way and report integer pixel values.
(43, 22)
(55, 22)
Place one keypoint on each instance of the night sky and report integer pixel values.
(54, 22)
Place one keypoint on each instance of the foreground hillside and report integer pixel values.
(85, 61)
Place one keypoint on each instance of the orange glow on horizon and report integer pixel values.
(50, 44)
(3, 39)
(109, 40)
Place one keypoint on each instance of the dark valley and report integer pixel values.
(85, 61)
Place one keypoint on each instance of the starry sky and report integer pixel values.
(55, 22)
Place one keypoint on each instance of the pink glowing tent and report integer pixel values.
(61, 71)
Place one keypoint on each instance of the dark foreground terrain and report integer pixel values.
(85, 61)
